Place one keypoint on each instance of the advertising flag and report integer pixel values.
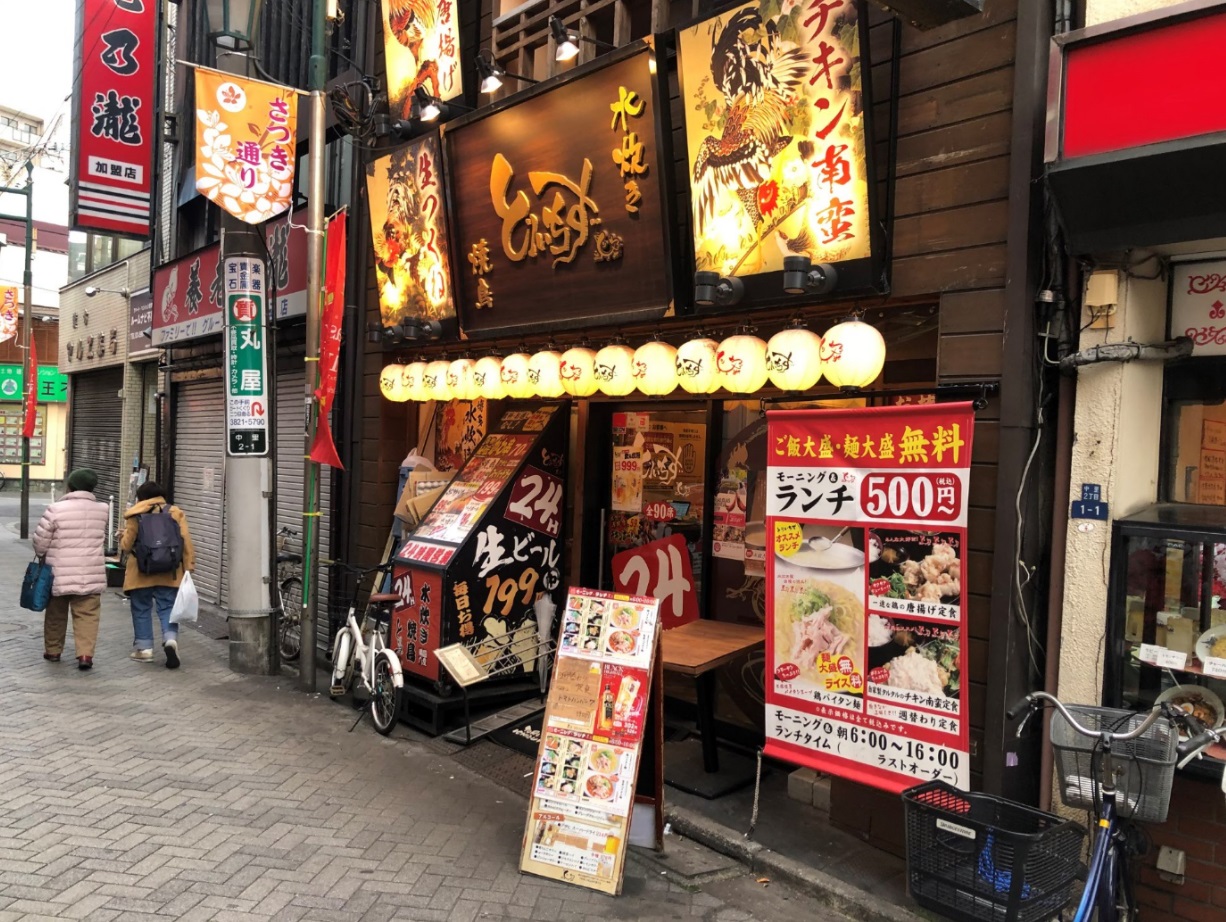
(9, 312)
(324, 449)
(245, 144)
(27, 426)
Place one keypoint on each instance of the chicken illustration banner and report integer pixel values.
(409, 230)
(866, 620)
(775, 127)
(246, 135)
(421, 44)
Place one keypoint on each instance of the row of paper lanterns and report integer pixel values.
(851, 355)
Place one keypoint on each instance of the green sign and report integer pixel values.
(247, 391)
(52, 385)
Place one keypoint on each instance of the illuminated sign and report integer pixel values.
(776, 125)
(409, 229)
(421, 43)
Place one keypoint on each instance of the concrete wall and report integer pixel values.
(1100, 11)
(82, 317)
(1115, 444)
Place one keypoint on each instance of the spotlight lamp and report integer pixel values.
(567, 40)
(801, 277)
(429, 106)
(710, 289)
(490, 74)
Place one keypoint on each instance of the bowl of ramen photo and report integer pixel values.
(621, 642)
(598, 787)
(603, 760)
(625, 617)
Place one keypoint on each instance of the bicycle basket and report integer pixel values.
(1145, 766)
(974, 857)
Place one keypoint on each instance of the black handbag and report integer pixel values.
(36, 587)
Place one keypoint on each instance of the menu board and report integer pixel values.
(866, 592)
(466, 498)
(592, 739)
(11, 420)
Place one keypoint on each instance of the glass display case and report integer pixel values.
(1166, 625)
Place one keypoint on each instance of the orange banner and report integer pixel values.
(245, 144)
(9, 312)
(31, 395)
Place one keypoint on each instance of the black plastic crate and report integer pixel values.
(979, 858)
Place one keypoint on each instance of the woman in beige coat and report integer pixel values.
(147, 591)
(71, 535)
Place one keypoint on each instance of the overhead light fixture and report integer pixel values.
(491, 74)
(122, 292)
(568, 40)
(710, 289)
(429, 106)
(801, 277)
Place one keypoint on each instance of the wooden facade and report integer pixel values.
(962, 240)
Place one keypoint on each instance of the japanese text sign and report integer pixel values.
(408, 222)
(114, 108)
(557, 197)
(661, 569)
(592, 736)
(52, 384)
(775, 125)
(247, 390)
(421, 44)
(10, 312)
(1198, 305)
(866, 594)
(246, 143)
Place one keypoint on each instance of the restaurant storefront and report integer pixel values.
(594, 244)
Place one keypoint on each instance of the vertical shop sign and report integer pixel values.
(866, 598)
(591, 741)
(421, 48)
(113, 116)
(246, 361)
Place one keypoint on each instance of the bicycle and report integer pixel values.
(976, 857)
(380, 676)
(288, 585)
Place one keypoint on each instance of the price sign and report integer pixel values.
(933, 497)
(1161, 656)
(661, 570)
(536, 501)
(1215, 666)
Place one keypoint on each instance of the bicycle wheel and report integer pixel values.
(289, 632)
(342, 668)
(384, 697)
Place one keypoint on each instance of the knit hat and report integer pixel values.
(82, 479)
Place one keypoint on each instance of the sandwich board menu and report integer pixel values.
(591, 750)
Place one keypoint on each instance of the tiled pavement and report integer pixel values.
(133, 792)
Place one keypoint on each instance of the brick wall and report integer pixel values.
(1197, 825)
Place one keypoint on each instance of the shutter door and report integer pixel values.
(97, 427)
(199, 447)
(291, 421)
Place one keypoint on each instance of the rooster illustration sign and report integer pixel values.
(421, 43)
(775, 129)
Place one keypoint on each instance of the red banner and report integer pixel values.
(324, 449)
(114, 106)
(662, 570)
(31, 396)
(866, 638)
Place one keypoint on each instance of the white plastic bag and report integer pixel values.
(187, 602)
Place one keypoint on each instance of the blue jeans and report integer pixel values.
(143, 601)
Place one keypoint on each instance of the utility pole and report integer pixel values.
(27, 327)
(317, 84)
(248, 473)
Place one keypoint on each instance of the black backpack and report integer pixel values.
(159, 543)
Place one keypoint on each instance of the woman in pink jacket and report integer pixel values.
(72, 535)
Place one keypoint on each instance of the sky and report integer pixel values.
(36, 66)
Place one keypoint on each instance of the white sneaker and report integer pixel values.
(171, 649)
(141, 656)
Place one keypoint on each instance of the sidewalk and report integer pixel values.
(133, 792)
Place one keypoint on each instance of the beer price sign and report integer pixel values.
(247, 392)
(866, 634)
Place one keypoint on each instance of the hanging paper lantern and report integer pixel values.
(794, 359)
(655, 368)
(460, 379)
(578, 371)
(545, 373)
(741, 360)
(487, 378)
(515, 376)
(615, 370)
(391, 383)
(436, 380)
(695, 364)
(853, 354)
(413, 377)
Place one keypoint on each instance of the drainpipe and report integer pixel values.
(1177, 348)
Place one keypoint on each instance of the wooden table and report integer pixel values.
(699, 648)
